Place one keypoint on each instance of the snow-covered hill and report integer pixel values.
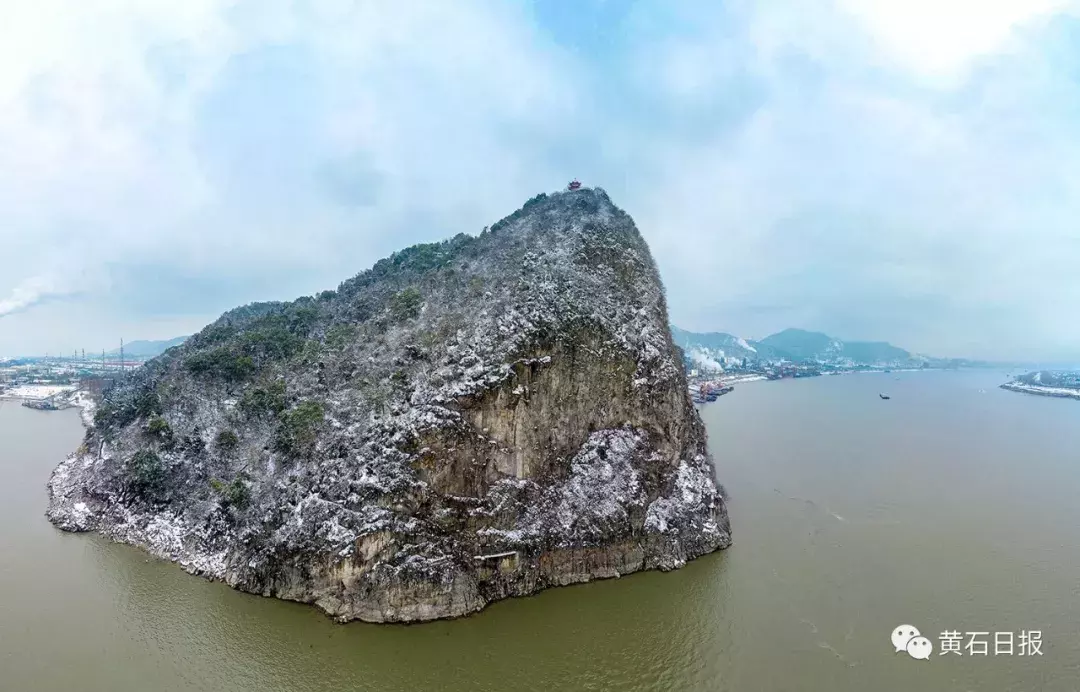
(465, 421)
(715, 350)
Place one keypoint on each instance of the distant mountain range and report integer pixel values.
(717, 349)
(148, 349)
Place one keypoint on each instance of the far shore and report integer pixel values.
(727, 378)
(1060, 392)
(33, 391)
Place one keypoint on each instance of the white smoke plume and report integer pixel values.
(32, 291)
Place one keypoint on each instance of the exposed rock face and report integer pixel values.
(466, 421)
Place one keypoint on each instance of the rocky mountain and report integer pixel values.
(465, 421)
(148, 349)
(794, 345)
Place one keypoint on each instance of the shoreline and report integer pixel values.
(37, 391)
(73, 399)
(1057, 392)
(754, 377)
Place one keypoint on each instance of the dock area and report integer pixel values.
(709, 391)
(43, 397)
(50, 404)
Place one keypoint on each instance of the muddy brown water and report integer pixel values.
(951, 506)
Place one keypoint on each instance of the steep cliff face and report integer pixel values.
(466, 421)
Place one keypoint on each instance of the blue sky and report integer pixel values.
(906, 171)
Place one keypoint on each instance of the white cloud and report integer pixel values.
(903, 170)
(939, 38)
(142, 132)
(860, 201)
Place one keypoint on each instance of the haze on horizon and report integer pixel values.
(901, 171)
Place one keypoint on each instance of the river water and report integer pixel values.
(952, 506)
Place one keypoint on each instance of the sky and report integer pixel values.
(905, 171)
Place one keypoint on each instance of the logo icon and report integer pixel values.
(907, 638)
(920, 647)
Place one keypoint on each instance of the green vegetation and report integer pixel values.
(417, 259)
(221, 363)
(235, 494)
(312, 352)
(123, 407)
(145, 404)
(264, 400)
(340, 335)
(226, 442)
(271, 333)
(103, 415)
(421, 257)
(274, 338)
(406, 304)
(301, 316)
(214, 334)
(503, 223)
(298, 429)
(159, 427)
(145, 474)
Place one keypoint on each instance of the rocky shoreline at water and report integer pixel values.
(1060, 392)
(467, 421)
(1063, 384)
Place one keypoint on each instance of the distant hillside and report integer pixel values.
(1068, 379)
(1064, 384)
(874, 352)
(715, 349)
(711, 350)
(800, 345)
(148, 349)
